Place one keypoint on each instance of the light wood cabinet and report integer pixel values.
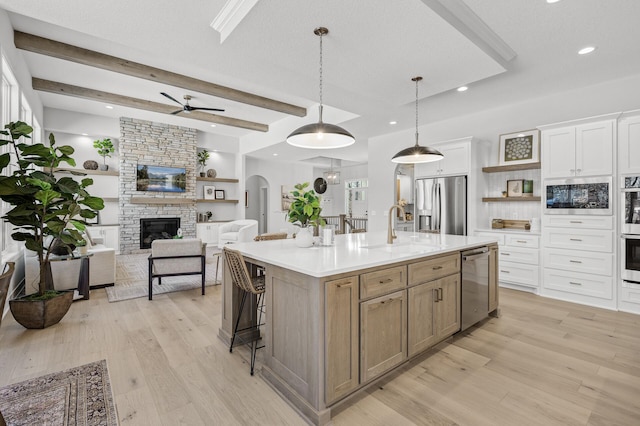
(580, 150)
(421, 329)
(434, 304)
(383, 333)
(341, 337)
(448, 307)
(493, 278)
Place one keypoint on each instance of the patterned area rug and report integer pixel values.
(132, 272)
(79, 396)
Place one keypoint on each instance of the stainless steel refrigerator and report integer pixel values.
(441, 205)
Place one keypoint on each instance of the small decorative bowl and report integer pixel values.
(90, 165)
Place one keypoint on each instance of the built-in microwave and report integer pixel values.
(590, 196)
(630, 205)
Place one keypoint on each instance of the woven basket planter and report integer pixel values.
(41, 313)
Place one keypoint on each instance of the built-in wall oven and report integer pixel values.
(630, 227)
(590, 196)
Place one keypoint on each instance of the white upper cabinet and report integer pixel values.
(584, 149)
(455, 161)
(629, 143)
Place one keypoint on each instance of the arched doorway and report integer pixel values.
(257, 201)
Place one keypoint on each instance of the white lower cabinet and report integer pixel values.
(518, 257)
(578, 259)
(110, 236)
(207, 232)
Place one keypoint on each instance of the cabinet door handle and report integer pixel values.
(575, 239)
(503, 271)
(578, 171)
(388, 280)
(574, 283)
(435, 295)
(440, 294)
(575, 221)
(575, 261)
(435, 268)
(505, 254)
(521, 241)
(572, 170)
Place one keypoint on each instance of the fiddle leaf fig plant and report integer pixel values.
(45, 211)
(105, 148)
(305, 208)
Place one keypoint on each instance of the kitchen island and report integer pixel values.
(341, 317)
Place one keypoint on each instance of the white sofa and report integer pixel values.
(237, 231)
(102, 268)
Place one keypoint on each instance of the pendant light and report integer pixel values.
(417, 153)
(320, 135)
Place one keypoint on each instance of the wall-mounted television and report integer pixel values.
(161, 179)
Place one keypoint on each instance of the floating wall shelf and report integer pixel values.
(89, 172)
(202, 200)
(207, 179)
(511, 168)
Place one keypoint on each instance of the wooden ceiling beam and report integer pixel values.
(56, 49)
(127, 101)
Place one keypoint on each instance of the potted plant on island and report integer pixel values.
(47, 212)
(105, 149)
(203, 156)
(304, 212)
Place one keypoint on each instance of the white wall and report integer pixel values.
(18, 66)
(278, 174)
(607, 97)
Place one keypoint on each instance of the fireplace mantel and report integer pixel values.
(153, 200)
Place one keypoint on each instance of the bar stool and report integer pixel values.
(247, 285)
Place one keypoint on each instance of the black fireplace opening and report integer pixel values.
(160, 228)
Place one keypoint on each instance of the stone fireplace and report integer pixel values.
(150, 143)
(161, 228)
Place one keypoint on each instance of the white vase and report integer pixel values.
(304, 238)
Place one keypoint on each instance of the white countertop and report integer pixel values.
(509, 231)
(353, 252)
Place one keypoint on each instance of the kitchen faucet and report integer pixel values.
(391, 233)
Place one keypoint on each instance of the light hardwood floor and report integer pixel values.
(544, 362)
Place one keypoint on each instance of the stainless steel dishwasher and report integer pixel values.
(475, 286)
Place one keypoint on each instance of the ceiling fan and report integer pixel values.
(186, 107)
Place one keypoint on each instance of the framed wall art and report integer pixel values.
(520, 148)
(209, 192)
(514, 188)
(219, 194)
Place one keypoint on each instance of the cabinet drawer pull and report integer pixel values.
(574, 283)
(505, 254)
(575, 239)
(388, 280)
(575, 221)
(575, 261)
(387, 301)
(521, 241)
(435, 268)
(503, 271)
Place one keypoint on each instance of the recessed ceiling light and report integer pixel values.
(108, 107)
(462, 89)
(85, 134)
(552, 1)
(213, 125)
(393, 122)
(586, 50)
(275, 155)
